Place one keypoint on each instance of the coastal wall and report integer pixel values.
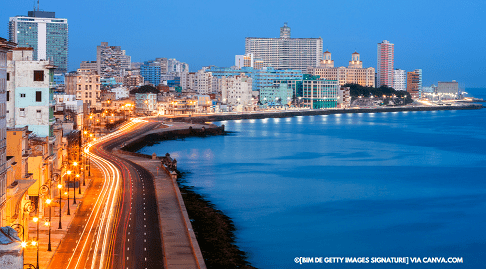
(168, 134)
(294, 113)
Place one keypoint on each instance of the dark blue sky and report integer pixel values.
(447, 39)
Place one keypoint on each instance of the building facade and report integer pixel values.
(384, 66)
(353, 74)
(237, 91)
(5, 46)
(414, 83)
(29, 94)
(285, 52)
(111, 61)
(400, 80)
(280, 94)
(46, 34)
(91, 65)
(318, 93)
(448, 90)
(264, 77)
(151, 71)
(146, 103)
(88, 87)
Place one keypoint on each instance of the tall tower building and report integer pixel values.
(384, 68)
(45, 33)
(286, 52)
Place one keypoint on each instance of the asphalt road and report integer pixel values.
(117, 223)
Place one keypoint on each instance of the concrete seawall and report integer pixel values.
(294, 113)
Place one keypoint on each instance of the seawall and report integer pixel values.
(294, 113)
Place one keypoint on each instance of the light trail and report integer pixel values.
(101, 219)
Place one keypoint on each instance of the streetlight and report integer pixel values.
(48, 202)
(59, 186)
(74, 199)
(34, 243)
(69, 179)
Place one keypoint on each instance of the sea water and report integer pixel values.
(400, 184)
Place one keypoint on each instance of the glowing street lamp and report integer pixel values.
(59, 186)
(48, 202)
(34, 243)
(75, 164)
(69, 179)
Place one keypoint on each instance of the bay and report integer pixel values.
(402, 184)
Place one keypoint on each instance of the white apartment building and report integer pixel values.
(236, 91)
(400, 80)
(29, 99)
(202, 82)
(285, 52)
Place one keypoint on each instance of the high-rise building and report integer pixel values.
(45, 33)
(414, 83)
(353, 74)
(400, 80)
(286, 52)
(384, 68)
(112, 60)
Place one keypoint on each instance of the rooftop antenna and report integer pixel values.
(37, 5)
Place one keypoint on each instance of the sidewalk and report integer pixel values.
(57, 235)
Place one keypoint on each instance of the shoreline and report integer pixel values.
(201, 211)
(201, 118)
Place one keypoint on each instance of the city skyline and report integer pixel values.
(436, 38)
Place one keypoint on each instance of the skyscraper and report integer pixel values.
(384, 68)
(45, 33)
(286, 52)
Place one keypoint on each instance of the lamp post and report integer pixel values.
(74, 198)
(34, 243)
(59, 186)
(48, 202)
(69, 179)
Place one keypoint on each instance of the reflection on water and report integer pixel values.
(394, 184)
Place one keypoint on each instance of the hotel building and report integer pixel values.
(353, 74)
(285, 52)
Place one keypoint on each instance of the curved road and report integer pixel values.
(116, 226)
